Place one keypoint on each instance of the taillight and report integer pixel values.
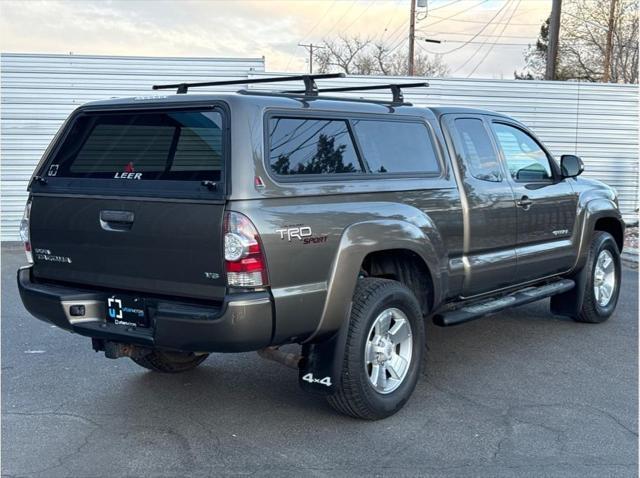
(244, 259)
(24, 231)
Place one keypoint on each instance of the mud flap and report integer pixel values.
(321, 365)
(569, 303)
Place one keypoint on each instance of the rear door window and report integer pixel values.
(311, 146)
(396, 146)
(169, 145)
(479, 155)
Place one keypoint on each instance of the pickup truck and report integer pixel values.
(166, 228)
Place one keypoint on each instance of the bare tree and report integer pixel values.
(357, 56)
(583, 38)
(345, 55)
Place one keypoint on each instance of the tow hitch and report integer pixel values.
(114, 350)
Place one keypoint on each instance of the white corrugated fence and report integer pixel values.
(598, 122)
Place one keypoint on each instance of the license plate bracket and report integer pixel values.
(127, 310)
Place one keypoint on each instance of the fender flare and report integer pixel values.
(596, 208)
(570, 303)
(362, 238)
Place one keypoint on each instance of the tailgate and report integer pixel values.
(167, 248)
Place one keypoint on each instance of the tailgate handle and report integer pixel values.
(116, 220)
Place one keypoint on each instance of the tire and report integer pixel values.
(169, 362)
(355, 393)
(594, 310)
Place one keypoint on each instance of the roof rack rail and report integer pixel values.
(304, 98)
(310, 87)
(396, 89)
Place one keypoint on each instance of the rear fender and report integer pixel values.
(323, 351)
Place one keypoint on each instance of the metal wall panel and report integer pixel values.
(598, 122)
(40, 91)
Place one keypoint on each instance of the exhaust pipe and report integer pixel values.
(276, 355)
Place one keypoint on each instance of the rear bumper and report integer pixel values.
(242, 323)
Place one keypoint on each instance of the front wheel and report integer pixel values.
(384, 351)
(603, 280)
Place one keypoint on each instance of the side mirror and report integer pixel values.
(571, 166)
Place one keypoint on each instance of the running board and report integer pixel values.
(519, 297)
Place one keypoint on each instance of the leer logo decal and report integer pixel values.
(129, 173)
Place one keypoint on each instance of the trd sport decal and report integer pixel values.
(301, 233)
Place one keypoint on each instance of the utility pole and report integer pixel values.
(607, 51)
(412, 37)
(554, 34)
(310, 47)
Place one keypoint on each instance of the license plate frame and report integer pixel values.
(126, 310)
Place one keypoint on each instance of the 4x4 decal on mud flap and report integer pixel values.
(323, 381)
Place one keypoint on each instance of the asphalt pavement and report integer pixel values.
(519, 393)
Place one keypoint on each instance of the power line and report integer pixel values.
(340, 19)
(485, 42)
(293, 55)
(442, 19)
(384, 31)
(359, 16)
(310, 32)
(496, 40)
(398, 45)
(472, 34)
(398, 30)
(477, 21)
(444, 6)
(476, 51)
(380, 38)
(477, 34)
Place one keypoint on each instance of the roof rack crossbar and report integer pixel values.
(311, 89)
(396, 89)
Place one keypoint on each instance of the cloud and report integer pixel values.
(261, 28)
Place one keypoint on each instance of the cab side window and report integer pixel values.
(397, 147)
(478, 153)
(526, 160)
(312, 146)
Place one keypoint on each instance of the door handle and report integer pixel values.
(116, 220)
(524, 202)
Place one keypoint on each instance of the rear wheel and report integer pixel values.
(603, 279)
(169, 362)
(383, 353)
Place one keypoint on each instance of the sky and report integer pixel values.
(480, 38)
